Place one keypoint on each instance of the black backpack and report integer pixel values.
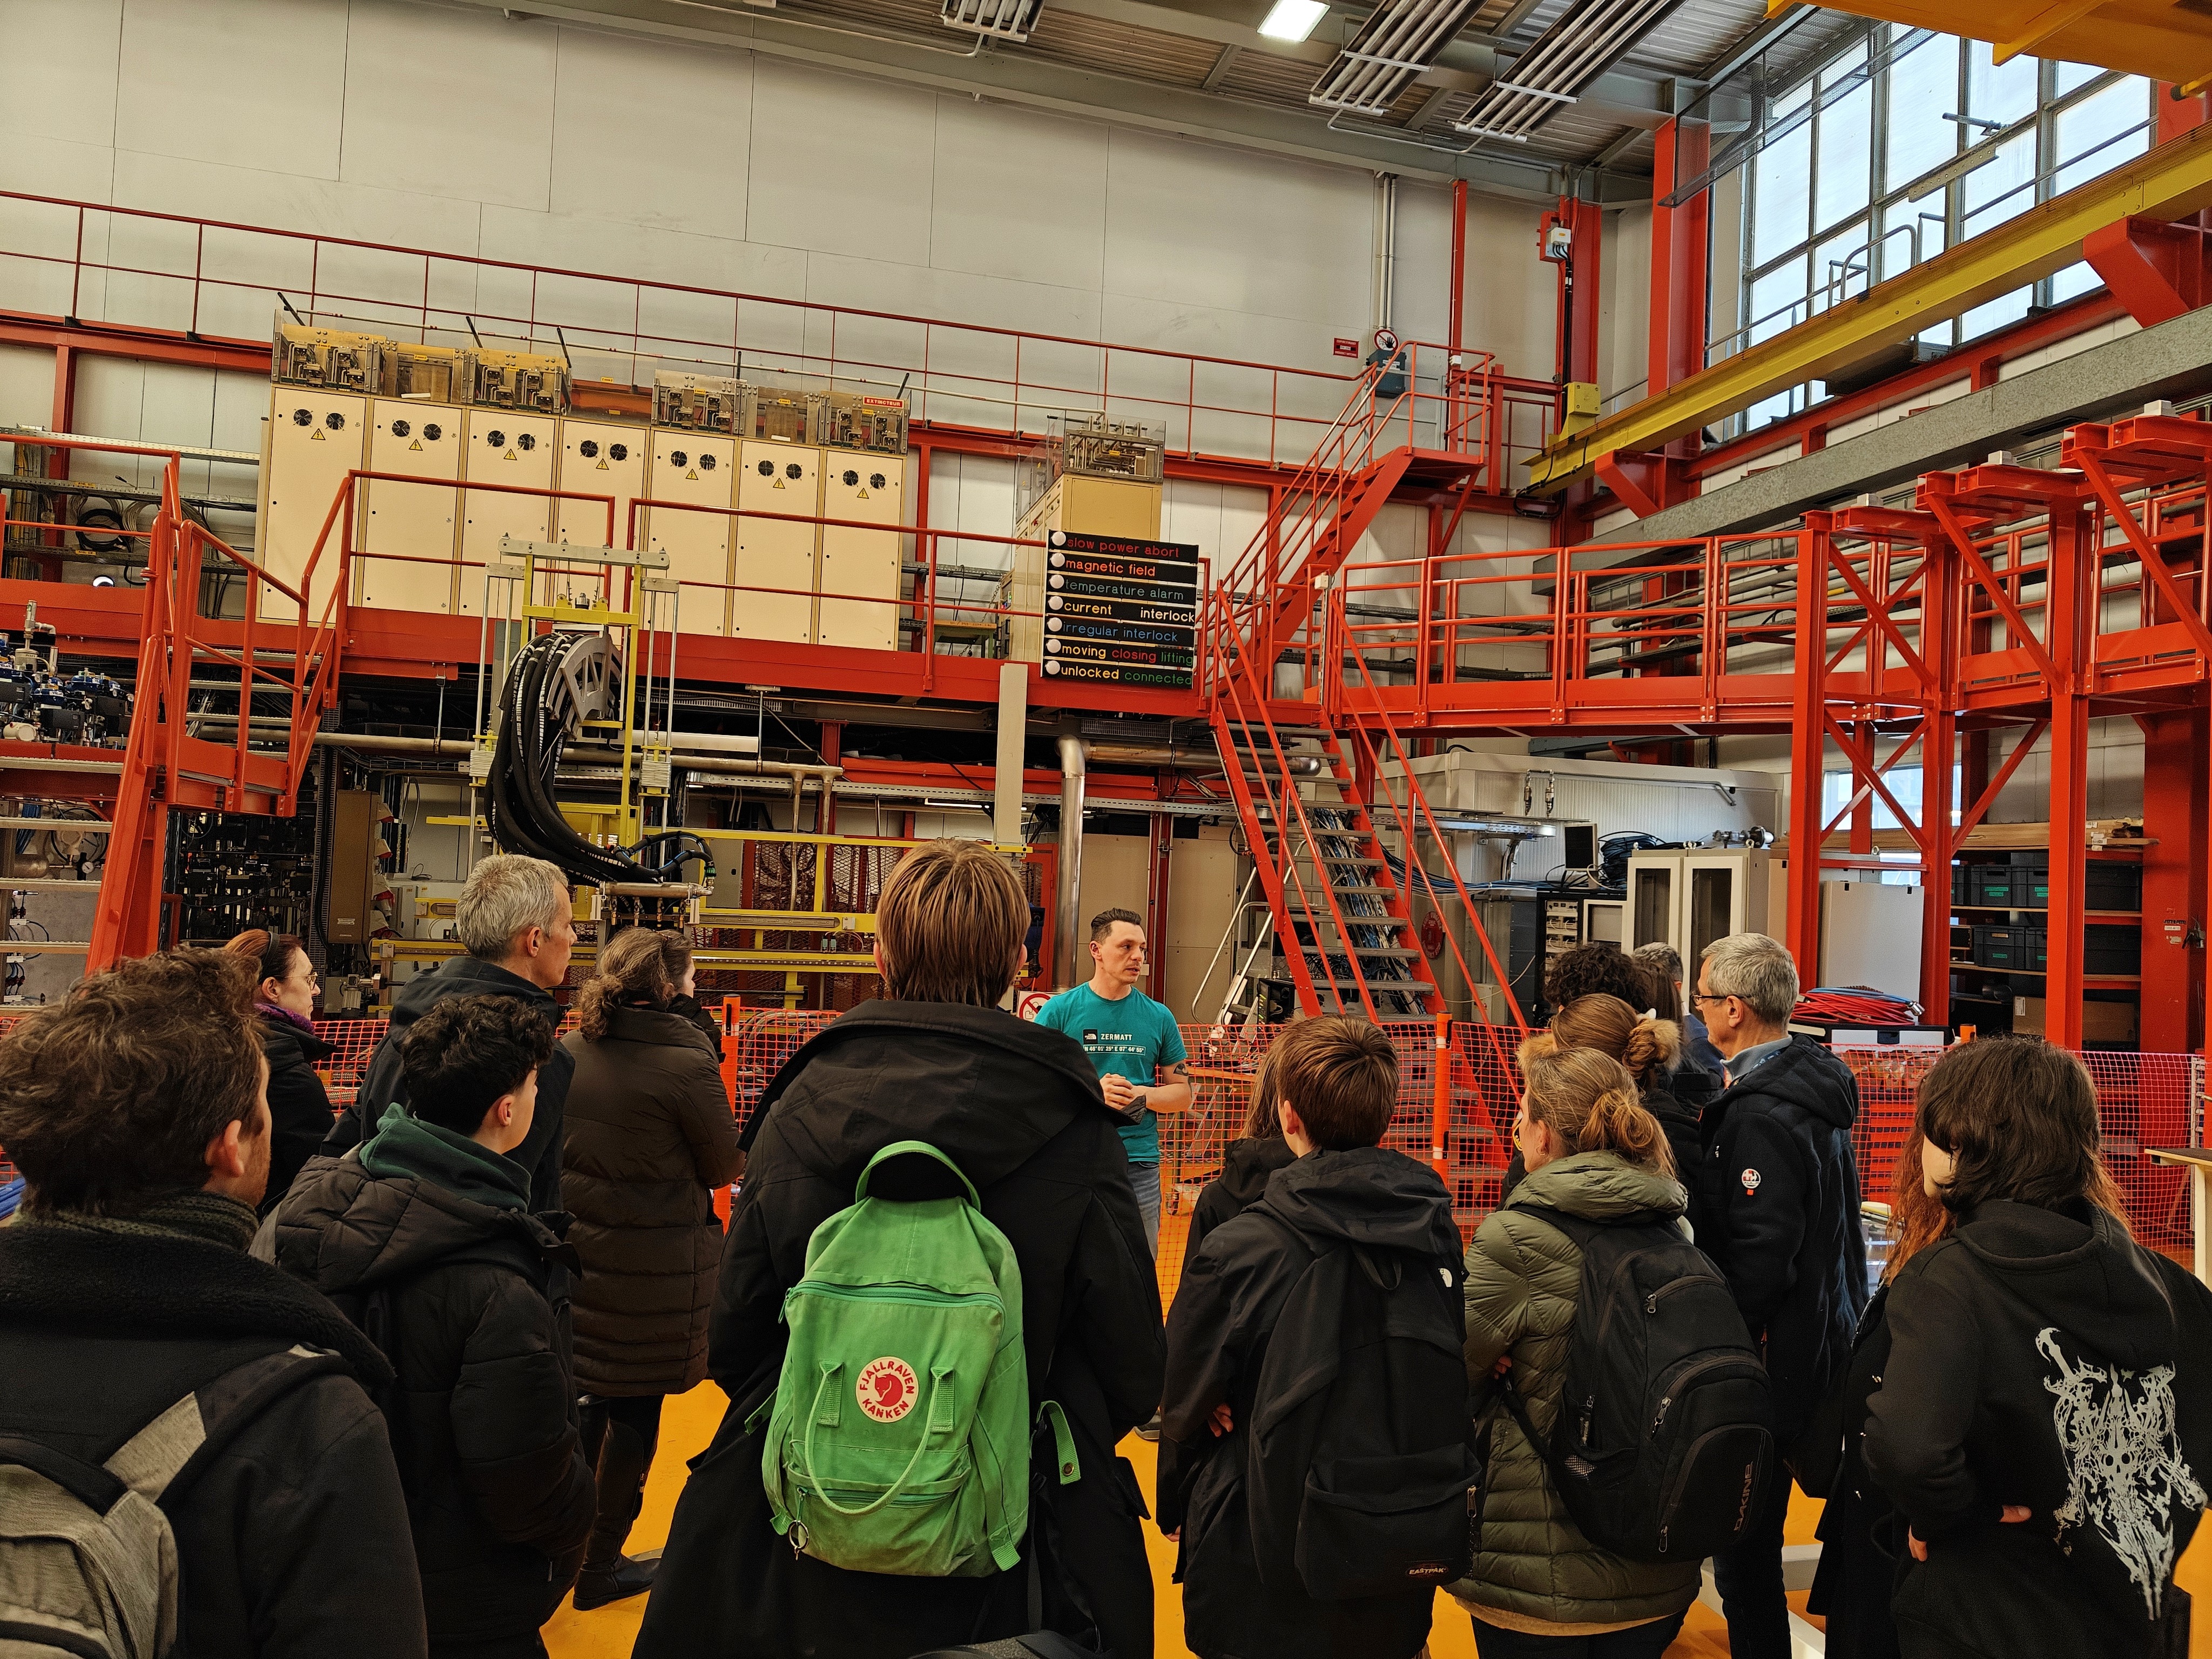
(1360, 1474)
(1665, 1431)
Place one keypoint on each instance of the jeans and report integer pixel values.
(1640, 1642)
(620, 1435)
(1748, 1576)
(1145, 1180)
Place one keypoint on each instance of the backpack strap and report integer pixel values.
(162, 1460)
(1575, 1227)
(96, 1488)
(922, 1148)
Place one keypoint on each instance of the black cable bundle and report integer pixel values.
(519, 802)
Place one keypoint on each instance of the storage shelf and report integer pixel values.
(2093, 981)
(2033, 910)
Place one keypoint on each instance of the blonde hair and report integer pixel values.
(505, 895)
(1642, 1044)
(951, 923)
(1588, 1101)
(1266, 1116)
(634, 964)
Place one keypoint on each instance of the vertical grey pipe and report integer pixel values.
(1066, 926)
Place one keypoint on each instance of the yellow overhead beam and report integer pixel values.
(2160, 39)
(2172, 181)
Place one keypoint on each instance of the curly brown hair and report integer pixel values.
(1596, 968)
(634, 964)
(109, 1098)
(1612, 1027)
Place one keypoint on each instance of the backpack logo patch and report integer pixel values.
(887, 1389)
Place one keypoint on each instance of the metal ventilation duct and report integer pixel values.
(1583, 41)
(1399, 38)
(1001, 20)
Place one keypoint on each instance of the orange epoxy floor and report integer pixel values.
(691, 1418)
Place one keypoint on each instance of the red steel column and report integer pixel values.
(1939, 588)
(1807, 746)
(2178, 823)
(1681, 252)
(2073, 604)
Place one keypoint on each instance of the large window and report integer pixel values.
(1899, 145)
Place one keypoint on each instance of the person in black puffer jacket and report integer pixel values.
(1591, 969)
(422, 1235)
(2044, 1418)
(299, 1106)
(1775, 1203)
(1017, 1108)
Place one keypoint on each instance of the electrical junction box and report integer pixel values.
(521, 380)
(778, 560)
(313, 440)
(429, 373)
(782, 413)
(413, 523)
(698, 469)
(844, 421)
(698, 403)
(503, 446)
(326, 357)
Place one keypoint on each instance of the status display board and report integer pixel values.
(1120, 611)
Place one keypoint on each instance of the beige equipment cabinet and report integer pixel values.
(313, 440)
(425, 374)
(503, 447)
(779, 554)
(701, 469)
(1088, 507)
(327, 357)
(871, 488)
(409, 522)
(597, 458)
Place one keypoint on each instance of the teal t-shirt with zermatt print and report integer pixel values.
(1133, 1038)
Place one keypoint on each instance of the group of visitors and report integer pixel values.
(392, 1388)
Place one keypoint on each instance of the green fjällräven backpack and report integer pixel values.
(898, 1435)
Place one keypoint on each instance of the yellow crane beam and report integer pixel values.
(2159, 39)
(2172, 181)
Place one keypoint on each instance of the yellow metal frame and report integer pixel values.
(2172, 181)
(2157, 38)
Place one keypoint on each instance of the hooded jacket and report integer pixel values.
(2045, 1359)
(1775, 1203)
(1016, 1106)
(649, 1137)
(1246, 1168)
(299, 1105)
(383, 1083)
(1861, 1536)
(293, 1539)
(482, 1413)
(1534, 1570)
(1226, 1307)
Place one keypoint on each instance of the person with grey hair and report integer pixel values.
(1776, 1205)
(516, 921)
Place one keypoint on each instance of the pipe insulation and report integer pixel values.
(1066, 926)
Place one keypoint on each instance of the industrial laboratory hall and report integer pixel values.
(1105, 829)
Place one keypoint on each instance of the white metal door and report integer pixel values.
(777, 558)
(698, 469)
(597, 458)
(412, 525)
(503, 447)
(315, 438)
(856, 485)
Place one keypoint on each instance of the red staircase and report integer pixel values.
(1339, 870)
(166, 766)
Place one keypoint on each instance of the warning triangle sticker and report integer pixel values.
(864, 493)
(316, 436)
(510, 455)
(602, 467)
(417, 444)
(779, 482)
(693, 475)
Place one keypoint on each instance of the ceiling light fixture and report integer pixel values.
(1293, 19)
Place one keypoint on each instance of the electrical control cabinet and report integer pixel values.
(696, 469)
(503, 446)
(1690, 898)
(780, 413)
(521, 380)
(701, 402)
(858, 485)
(844, 421)
(409, 524)
(326, 357)
(599, 458)
(428, 374)
(778, 554)
(313, 439)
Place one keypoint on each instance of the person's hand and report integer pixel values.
(1219, 1421)
(1505, 1365)
(1175, 1537)
(2010, 1515)
(1121, 1093)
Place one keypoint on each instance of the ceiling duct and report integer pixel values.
(998, 20)
(1399, 38)
(1582, 43)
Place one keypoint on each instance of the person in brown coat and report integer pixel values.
(650, 1135)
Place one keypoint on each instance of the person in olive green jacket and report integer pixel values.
(1537, 1586)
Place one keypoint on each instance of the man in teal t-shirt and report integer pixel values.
(1134, 1043)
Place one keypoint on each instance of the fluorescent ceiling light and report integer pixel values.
(1293, 19)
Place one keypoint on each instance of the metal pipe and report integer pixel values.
(1189, 760)
(741, 766)
(1066, 928)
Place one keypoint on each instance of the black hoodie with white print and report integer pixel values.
(2045, 1360)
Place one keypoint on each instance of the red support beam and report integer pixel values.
(1681, 241)
(2158, 271)
(2177, 823)
(1644, 483)
(2073, 618)
(1807, 746)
